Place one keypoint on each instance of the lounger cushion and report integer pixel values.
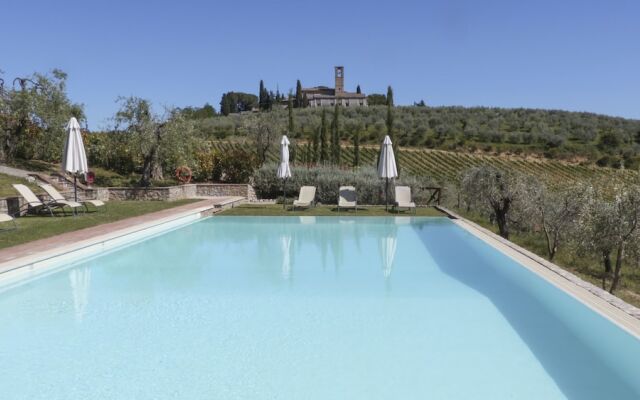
(95, 203)
(71, 204)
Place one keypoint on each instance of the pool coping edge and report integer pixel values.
(604, 303)
(44, 260)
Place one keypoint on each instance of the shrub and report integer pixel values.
(229, 166)
(234, 166)
(327, 180)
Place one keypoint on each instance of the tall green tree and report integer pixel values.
(316, 145)
(358, 90)
(335, 136)
(356, 148)
(324, 156)
(290, 125)
(291, 130)
(236, 102)
(305, 101)
(376, 99)
(162, 141)
(298, 103)
(261, 95)
(390, 128)
(33, 116)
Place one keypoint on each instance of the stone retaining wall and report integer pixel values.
(219, 189)
(11, 205)
(172, 193)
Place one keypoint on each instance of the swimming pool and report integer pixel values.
(307, 308)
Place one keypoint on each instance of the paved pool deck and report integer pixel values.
(44, 246)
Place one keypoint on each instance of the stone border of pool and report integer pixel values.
(34, 257)
(604, 303)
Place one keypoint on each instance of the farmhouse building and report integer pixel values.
(319, 96)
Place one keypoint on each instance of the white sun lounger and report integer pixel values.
(56, 196)
(403, 198)
(34, 204)
(7, 218)
(347, 198)
(306, 198)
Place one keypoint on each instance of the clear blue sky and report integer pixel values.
(571, 54)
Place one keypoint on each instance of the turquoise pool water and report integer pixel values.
(307, 308)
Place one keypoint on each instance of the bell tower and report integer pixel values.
(339, 80)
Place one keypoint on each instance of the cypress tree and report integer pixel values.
(293, 152)
(390, 96)
(225, 106)
(356, 148)
(268, 101)
(305, 101)
(323, 137)
(298, 103)
(261, 94)
(358, 90)
(389, 121)
(335, 135)
(316, 146)
(396, 148)
(291, 126)
(308, 156)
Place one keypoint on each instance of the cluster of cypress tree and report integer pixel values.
(267, 98)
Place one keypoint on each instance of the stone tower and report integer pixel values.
(339, 80)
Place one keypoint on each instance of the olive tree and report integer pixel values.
(162, 141)
(33, 114)
(501, 194)
(557, 212)
(609, 227)
(264, 128)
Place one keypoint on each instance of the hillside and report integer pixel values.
(446, 166)
(563, 135)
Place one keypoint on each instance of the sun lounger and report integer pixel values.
(56, 196)
(7, 218)
(403, 198)
(347, 198)
(306, 198)
(35, 205)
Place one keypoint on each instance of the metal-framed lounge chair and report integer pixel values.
(403, 199)
(35, 205)
(7, 218)
(56, 196)
(347, 198)
(306, 198)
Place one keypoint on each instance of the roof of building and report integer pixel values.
(348, 95)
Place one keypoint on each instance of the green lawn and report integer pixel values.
(40, 227)
(586, 267)
(6, 190)
(364, 211)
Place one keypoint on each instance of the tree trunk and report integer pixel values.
(503, 223)
(145, 179)
(616, 272)
(606, 261)
(502, 217)
(551, 247)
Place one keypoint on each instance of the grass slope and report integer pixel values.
(40, 227)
